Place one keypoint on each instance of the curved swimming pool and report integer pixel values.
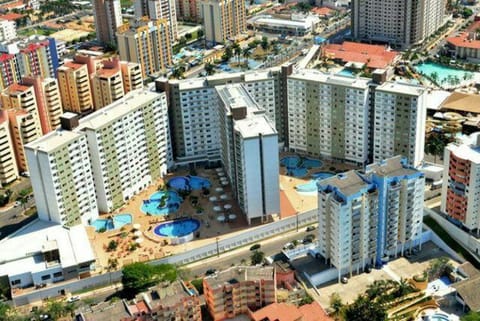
(298, 166)
(311, 186)
(178, 228)
(162, 203)
(189, 182)
(108, 224)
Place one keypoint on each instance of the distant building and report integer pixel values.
(391, 137)
(461, 182)
(297, 25)
(148, 44)
(188, 9)
(107, 86)
(74, 83)
(8, 30)
(249, 153)
(159, 10)
(465, 46)
(402, 23)
(108, 17)
(238, 290)
(223, 20)
(8, 163)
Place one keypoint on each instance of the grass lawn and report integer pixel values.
(431, 223)
(33, 31)
(126, 3)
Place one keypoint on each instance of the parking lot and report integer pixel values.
(397, 268)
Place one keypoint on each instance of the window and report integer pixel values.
(16, 282)
(46, 277)
(57, 274)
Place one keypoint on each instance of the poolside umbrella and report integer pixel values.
(221, 174)
(223, 196)
(139, 240)
(218, 170)
(232, 216)
(219, 189)
(227, 206)
(213, 199)
(136, 226)
(217, 208)
(224, 183)
(137, 233)
(221, 218)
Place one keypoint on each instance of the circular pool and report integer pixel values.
(180, 231)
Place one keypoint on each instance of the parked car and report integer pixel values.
(72, 299)
(288, 246)
(210, 272)
(310, 228)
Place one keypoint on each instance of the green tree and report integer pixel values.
(257, 257)
(246, 54)
(435, 144)
(209, 68)
(198, 284)
(363, 309)
(264, 43)
(58, 309)
(5, 312)
(112, 246)
(336, 305)
(199, 34)
(439, 267)
(471, 316)
(139, 276)
(237, 51)
(227, 54)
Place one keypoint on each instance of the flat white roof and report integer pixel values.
(401, 88)
(21, 251)
(334, 79)
(254, 125)
(435, 98)
(51, 141)
(467, 148)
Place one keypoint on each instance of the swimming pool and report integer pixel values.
(189, 182)
(114, 223)
(346, 72)
(177, 228)
(311, 186)
(439, 317)
(162, 203)
(298, 166)
(444, 73)
(440, 284)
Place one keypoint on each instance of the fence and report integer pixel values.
(224, 244)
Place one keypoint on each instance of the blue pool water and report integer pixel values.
(443, 72)
(299, 166)
(177, 228)
(117, 222)
(189, 182)
(346, 72)
(152, 205)
(439, 284)
(311, 186)
(439, 317)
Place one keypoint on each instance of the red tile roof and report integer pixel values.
(289, 312)
(11, 16)
(4, 57)
(142, 307)
(314, 312)
(12, 5)
(462, 40)
(323, 11)
(17, 87)
(375, 56)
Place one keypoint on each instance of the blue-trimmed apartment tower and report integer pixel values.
(348, 206)
(400, 206)
(366, 218)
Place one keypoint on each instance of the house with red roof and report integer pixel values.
(373, 56)
(465, 45)
(290, 312)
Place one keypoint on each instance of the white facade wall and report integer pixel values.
(270, 166)
(8, 30)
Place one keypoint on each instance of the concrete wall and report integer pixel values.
(469, 242)
(224, 244)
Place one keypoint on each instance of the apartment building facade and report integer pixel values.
(108, 17)
(399, 122)
(75, 170)
(461, 182)
(188, 10)
(146, 43)
(239, 289)
(132, 76)
(348, 216)
(8, 30)
(401, 24)
(400, 206)
(249, 153)
(8, 163)
(329, 116)
(75, 91)
(159, 9)
(107, 87)
(48, 99)
(223, 20)
(21, 105)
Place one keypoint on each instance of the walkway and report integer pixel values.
(390, 273)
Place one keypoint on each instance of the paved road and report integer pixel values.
(269, 247)
(13, 219)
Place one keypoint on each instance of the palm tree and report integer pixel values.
(336, 305)
(112, 266)
(237, 50)
(246, 54)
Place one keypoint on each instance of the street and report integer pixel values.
(12, 219)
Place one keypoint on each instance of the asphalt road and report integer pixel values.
(12, 219)
(269, 247)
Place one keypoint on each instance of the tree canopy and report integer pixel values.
(471, 316)
(363, 309)
(139, 276)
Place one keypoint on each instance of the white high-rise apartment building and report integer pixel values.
(401, 23)
(399, 122)
(8, 30)
(62, 178)
(461, 182)
(249, 152)
(194, 110)
(223, 20)
(159, 10)
(400, 207)
(328, 116)
(129, 146)
(347, 222)
(99, 162)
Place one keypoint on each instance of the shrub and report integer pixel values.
(112, 246)
(255, 247)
